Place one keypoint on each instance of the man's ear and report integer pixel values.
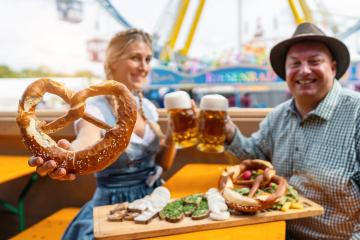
(333, 67)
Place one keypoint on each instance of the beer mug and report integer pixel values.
(213, 113)
(183, 121)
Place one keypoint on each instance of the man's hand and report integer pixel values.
(230, 129)
(50, 167)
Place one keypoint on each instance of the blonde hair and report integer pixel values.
(115, 49)
(119, 43)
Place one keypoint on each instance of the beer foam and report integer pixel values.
(214, 102)
(177, 100)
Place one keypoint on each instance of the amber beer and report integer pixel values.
(183, 119)
(213, 111)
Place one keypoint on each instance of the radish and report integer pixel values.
(246, 175)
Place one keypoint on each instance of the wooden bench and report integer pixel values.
(51, 227)
(11, 168)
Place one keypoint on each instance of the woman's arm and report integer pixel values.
(167, 153)
(87, 135)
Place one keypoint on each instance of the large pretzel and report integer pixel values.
(232, 176)
(94, 158)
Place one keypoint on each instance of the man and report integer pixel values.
(313, 139)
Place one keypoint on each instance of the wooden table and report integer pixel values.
(194, 178)
(11, 168)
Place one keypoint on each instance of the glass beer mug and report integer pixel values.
(213, 113)
(183, 121)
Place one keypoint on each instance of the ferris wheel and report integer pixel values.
(171, 19)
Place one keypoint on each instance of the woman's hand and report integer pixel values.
(50, 167)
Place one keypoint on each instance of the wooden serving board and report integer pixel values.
(104, 229)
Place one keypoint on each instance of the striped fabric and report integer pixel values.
(319, 155)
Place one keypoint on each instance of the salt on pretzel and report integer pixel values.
(91, 159)
(231, 177)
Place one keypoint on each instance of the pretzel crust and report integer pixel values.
(231, 177)
(91, 159)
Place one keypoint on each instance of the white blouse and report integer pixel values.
(149, 135)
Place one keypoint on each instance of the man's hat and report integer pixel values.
(309, 32)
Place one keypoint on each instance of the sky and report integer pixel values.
(32, 33)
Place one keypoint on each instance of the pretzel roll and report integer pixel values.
(233, 176)
(91, 159)
(239, 202)
(254, 164)
(280, 191)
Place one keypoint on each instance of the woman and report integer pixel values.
(135, 174)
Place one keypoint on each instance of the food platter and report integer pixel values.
(104, 229)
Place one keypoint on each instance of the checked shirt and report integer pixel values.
(318, 155)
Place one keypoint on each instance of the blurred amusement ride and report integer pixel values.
(238, 75)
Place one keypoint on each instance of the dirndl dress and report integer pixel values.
(133, 176)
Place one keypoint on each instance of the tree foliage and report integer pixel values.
(41, 71)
